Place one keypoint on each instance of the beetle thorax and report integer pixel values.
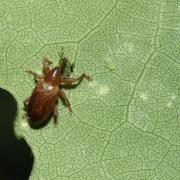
(47, 86)
(54, 76)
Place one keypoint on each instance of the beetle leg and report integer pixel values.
(37, 76)
(61, 53)
(55, 113)
(69, 81)
(62, 95)
(46, 64)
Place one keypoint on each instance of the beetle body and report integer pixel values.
(43, 101)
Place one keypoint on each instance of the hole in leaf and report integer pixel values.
(16, 158)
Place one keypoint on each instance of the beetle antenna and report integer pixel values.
(61, 54)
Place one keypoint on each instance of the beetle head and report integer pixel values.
(54, 77)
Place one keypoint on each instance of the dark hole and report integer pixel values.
(16, 158)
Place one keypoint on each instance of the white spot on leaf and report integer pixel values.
(173, 97)
(103, 89)
(24, 124)
(92, 84)
(169, 104)
(143, 97)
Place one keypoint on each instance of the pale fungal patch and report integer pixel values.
(129, 47)
(170, 103)
(132, 84)
(178, 8)
(121, 45)
(173, 97)
(143, 97)
(47, 87)
(92, 84)
(103, 89)
(125, 48)
(141, 120)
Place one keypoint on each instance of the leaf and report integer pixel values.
(125, 124)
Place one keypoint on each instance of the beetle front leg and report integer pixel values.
(62, 95)
(46, 66)
(37, 76)
(69, 81)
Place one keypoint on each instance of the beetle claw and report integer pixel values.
(46, 60)
(70, 110)
(87, 77)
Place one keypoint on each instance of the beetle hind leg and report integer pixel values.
(55, 114)
(70, 81)
(62, 95)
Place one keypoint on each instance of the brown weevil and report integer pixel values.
(43, 101)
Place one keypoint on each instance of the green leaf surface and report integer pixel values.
(126, 122)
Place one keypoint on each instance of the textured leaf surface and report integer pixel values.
(125, 124)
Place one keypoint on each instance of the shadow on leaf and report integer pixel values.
(16, 158)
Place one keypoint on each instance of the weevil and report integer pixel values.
(43, 101)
